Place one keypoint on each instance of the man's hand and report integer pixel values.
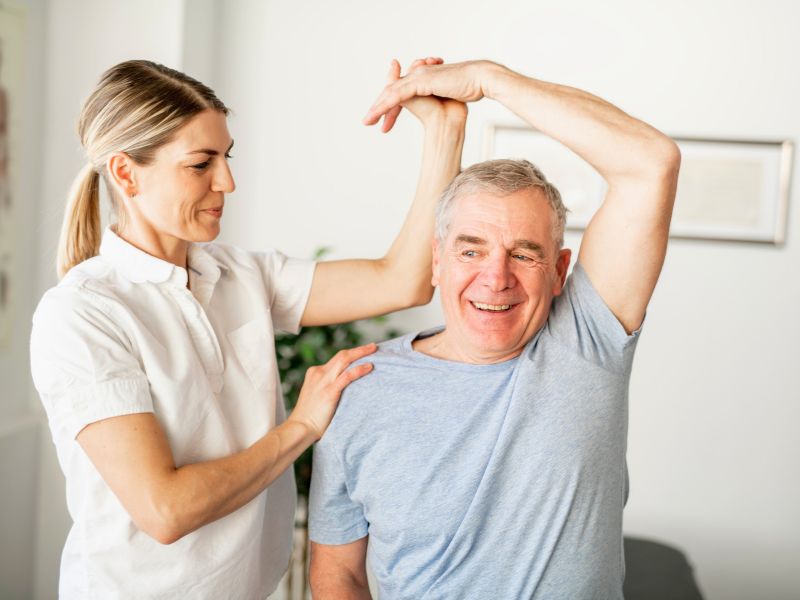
(457, 82)
(428, 109)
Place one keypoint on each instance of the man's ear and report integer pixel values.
(122, 174)
(435, 264)
(562, 266)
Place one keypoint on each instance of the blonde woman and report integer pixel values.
(154, 355)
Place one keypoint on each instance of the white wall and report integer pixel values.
(715, 400)
(715, 397)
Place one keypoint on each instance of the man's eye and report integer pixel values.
(201, 166)
(522, 257)
(469, 253)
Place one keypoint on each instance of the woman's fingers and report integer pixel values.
(344, 358)
(323, 385)
(350, 375)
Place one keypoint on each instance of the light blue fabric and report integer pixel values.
(487, 481)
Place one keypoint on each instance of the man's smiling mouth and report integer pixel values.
(491, 307)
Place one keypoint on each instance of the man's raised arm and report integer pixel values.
(624, 245)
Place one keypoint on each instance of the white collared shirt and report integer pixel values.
(122, 334)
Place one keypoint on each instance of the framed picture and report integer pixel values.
(12, 43)
(727, 189)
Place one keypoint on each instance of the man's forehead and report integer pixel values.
(524, 215)
(528, 201)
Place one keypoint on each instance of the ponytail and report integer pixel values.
(80, 232)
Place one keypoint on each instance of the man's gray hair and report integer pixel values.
(501, 177)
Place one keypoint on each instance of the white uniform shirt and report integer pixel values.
(122, 334)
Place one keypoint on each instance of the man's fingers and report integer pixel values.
(398, 90)
(389, 118)
(394, 71)
(386, 101)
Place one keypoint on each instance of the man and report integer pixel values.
(487, 459)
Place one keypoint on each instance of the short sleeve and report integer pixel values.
(288, 285)
(581, 319)
(81, 363)
(334, 518)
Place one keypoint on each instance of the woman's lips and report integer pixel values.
(215, 212)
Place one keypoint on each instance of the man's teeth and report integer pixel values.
(494, 307)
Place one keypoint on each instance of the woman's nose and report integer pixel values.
(223, 178)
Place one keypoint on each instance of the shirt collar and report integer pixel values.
(139, 266)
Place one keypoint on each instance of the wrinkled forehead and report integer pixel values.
(524, 214)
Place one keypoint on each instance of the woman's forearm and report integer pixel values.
(198, 494)
(409, 257)
(133, 456)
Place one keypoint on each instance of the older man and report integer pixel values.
(487, 459)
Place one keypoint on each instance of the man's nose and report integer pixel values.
(496, 274)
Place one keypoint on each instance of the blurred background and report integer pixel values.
(714, 450)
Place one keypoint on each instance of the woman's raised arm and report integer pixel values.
(354, 289)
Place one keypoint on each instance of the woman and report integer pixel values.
(154, 355)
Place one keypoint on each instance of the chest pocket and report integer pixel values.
(255, 349)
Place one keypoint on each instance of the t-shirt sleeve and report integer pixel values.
(581, 319)
(82, 364)
(288, 283)
(334, 518)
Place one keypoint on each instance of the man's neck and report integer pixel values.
(438, 346)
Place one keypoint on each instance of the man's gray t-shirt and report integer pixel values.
(487, 481)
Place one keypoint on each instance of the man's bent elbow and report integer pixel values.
(423, 295)
(664, 158)
(671, 157)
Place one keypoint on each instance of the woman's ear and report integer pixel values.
(122, 174)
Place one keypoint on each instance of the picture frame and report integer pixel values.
(728, 189)
(12, 74)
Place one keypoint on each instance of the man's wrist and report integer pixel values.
(496, 79)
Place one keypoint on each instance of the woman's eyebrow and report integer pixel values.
(210, 151)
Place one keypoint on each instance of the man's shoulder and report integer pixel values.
(398, 353)
(396, 366)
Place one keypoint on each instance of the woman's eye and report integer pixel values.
(201, 166)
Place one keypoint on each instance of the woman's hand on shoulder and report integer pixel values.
(323, 386)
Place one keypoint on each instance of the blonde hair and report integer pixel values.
(137, 107)
(501, 176)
